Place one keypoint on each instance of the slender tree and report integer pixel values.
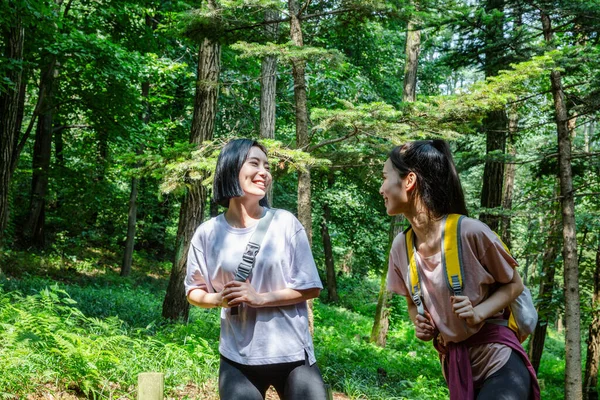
(382, 311)
(590, 380)
(175, 304)
(151, 24)
(495, 122)
(413, 48)
(332, 294)
(509, 175)
(268, 80)
(545, 308)
(133, 194)
(268, 86)
(301, 110)
(36, 224)
(573, 384)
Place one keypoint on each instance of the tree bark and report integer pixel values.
(413, 48)
(544, 299)
(573, 383)
(495, 123)
(175, 304)
(493, 171)
(590, 380)
(509, 176)
(382, 312)
(332, 294)
(42, 148)
(268, 87)
(302, 139)
(268, 81)
(11, 115)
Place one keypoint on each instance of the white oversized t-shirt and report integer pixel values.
(257, 336)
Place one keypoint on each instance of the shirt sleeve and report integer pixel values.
(493, 255)
(303, 270)
(395, 280)
(196, 268)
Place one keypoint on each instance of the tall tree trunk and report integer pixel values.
(10, 116)
(302, 139)
(381, 322)
(332, 294)
(509, 176)
(493, 171)
(36, 224)
(175, 304)
(413, 48)
(544, 299)
(382, 311)
(132, 214)
(268, 87)
(590, 380)
(268, 81)
(59, 156)
(495, 123)
(573, 384)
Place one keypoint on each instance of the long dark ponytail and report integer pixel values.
(438, 184)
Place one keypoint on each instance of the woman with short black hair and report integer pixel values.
(264, 338)
(482, 360)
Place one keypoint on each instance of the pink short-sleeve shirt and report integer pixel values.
(486, 265)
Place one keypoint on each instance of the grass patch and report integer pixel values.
(75, 327)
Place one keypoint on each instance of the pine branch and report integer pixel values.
(355, 132)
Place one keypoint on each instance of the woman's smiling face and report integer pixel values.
(255, 174)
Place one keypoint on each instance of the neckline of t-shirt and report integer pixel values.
(238, 231)
(422, 257)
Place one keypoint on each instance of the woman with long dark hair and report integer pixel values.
(480, 359)
(261, 287)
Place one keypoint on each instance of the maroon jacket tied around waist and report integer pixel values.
(457, 363)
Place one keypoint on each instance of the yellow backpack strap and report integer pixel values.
(452, 253)
(413, 273)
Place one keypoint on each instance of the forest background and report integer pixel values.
(111, 116)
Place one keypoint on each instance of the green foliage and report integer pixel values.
(287, 52)
(185, 165)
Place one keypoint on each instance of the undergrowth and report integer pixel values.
(90, 333)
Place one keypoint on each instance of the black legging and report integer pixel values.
(293, 381)
(511, 382)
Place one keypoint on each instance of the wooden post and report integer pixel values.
(151, 386)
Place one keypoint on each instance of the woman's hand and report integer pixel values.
(235, 293)
(464, 310)
(424, 327)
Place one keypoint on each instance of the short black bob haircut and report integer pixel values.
(227, 174)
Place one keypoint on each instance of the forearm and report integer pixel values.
(203, 299)
(286, 297)
(501, 298)
(412, 309)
